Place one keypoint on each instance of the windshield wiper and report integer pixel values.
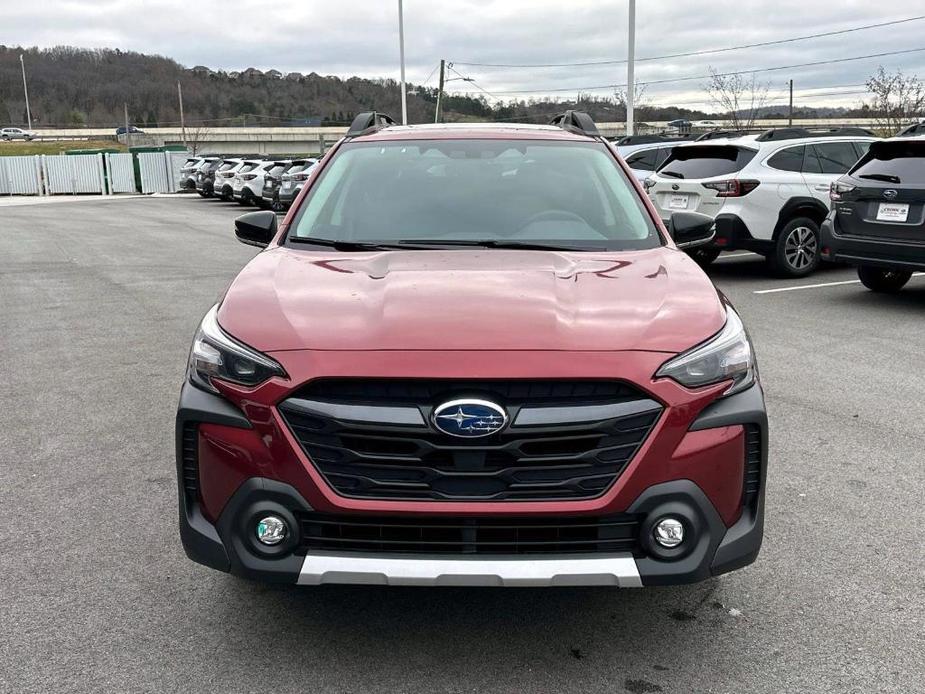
(889, 178)
(496, 243)
(670, 174)
(348, 246)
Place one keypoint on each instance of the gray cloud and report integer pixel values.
(360, 38)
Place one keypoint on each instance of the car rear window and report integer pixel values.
(706, 161)
(250, 166)
(276, 169)
(904, 161)
(542, 191)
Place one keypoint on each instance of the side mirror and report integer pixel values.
(691, 229)
(256, 228)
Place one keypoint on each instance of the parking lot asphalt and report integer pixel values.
(98, 305)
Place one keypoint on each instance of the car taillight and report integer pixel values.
(837, 190)
(299, 176)
(248, 177)
(733, 188)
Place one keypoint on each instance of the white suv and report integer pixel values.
(17, 134)
(247, 185)
(768, 193)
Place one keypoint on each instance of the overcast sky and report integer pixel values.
(361, 38)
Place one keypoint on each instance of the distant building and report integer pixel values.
(202, 71)
(273, 74)
(294, 76)
(252, 72)
(234, 74)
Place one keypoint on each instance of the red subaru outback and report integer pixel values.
(471, 355)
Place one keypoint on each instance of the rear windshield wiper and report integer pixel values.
(496, 243)
(339, 245)
(670, 174)
(889, 178)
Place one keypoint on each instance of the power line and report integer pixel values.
(703, 52)
(673, 80)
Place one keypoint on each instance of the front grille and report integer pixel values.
(377, 460)
(189, 449)
(437, 535)
(752, 482)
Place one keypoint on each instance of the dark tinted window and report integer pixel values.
(663, 154)
(836, 157)
(790, 159)
(811, 161)
(903, 160)
(247, 167)
(277, 169)
(645, 161)
(706, 161)
(862, 148)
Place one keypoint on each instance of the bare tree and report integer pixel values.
(738, 96)
(195, 137)
(897, 98)
(639, 94)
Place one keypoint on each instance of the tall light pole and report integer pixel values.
(401, 50)
(25, 89)
(630, 69)
(182, 119)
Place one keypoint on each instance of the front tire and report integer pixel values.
(796, 251)
(705, 256)
(882, 280)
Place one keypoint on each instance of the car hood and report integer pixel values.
(655, 300)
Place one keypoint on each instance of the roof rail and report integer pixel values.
(369, 122)
(797, 133)
(646, 140)
(576, 122)
(722, 134)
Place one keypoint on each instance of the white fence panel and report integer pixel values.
(20, 176)
(175, 162)
(154, 175)
(81, 173)
(121, 173)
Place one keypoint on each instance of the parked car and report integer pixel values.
(269, 195)
(132, 130)
(205, 176)
(17, 134)
(645, 158)
(292, 181)
(188, 173)
(877, 222)
(247, 184)
(768, 193)
(475, 357)
(223, 185)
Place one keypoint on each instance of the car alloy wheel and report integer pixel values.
(801, 248)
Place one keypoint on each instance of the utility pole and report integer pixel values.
(25, 89)
(128, 134)
(182, 119)
(439, 112)
(630, 70)
(401, 51)
(790, 116)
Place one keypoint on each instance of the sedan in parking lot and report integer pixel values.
(877, 222)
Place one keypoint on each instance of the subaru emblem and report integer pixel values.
(469, 419)
(675, 186)
(890, 194)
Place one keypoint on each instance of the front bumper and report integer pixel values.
(225, 540)
(869, 251)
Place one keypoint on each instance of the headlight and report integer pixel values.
(216, 355)
(727, 356)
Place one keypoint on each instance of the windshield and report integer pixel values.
(565, 194)
(705, 161)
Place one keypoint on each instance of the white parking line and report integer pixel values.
(817, 286)
(742, 254)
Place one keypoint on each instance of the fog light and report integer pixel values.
(271, 530)
(669, 532)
